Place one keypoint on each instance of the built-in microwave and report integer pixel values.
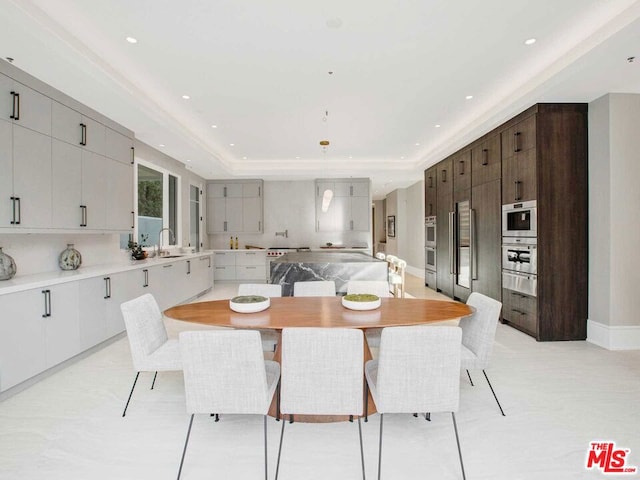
(430, 232)
(520, 219)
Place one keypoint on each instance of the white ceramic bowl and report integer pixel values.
(360, 305)
(249, 307)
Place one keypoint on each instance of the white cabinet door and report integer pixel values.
(66, 124)
(224, 258)
(249, 257)
(234, 190)
(360, 189)
(342, 208)
(251, 272)
(233, 214)
(119, 197)
(22, 340)
(215, 190)
(94, 135)
(6, 172)
(342, 189)
(62, 326)
(216, 215)
(120, 287)
(252, 215)
(93, 312)
(66, 185)
(6, 99)
(203, 267)
(94, 190)
(252, 189)
(34, 109)
(225, 272)
(119, 147)
(32, 177)
(360, 212)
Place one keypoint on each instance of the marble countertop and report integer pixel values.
(39, 280)
(332, 256)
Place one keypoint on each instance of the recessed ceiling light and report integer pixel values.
(232, 144)
(469, 97)
(437, 125)
(132, 40)
(244, 158)
(530, 41)
(401, 158)
(417, 144)
(214, 126)
(186, 97)
(187, 160)
(297, 158)
(350, 156)
(161, 145)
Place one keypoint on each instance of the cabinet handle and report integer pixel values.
(224, 192)
(485, 156)
(249, 253)
(15, 114)
(351, 224)
(259, 225)
(133, 219)
(83, 134)
(518, 194)
(444, 176)
(83, 215)
(133, 154)
(188, 267)
(430, 209)
(13, 105)
(16, 219)
(225, 226)
(462, 162)
(474, 247)
(167, 266)
(209, 258)
(13, 210)
(47, 303)
(516, 142)
(351, 190)
(451, 219)
(430, 181)
(250, 268)
(518, 311)
(107, 287)
(146, 278)
(259, 191)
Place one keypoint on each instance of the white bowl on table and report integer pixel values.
(347, 302)
(249, 303)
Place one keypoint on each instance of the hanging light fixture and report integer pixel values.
(327, 195)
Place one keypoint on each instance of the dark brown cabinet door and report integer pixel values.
(486, 161)
(444, 177)
(443, 260)
(519, 177)
(462, 171)
(486, 240)
(520, 137)
(430, 196)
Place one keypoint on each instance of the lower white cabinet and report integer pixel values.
(240, 265)
(42, 327)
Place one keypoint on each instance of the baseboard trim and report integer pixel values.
(614, 337)
(416, 272)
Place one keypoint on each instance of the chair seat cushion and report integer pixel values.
(165, 358)
(469, 360)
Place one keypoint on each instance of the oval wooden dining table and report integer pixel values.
(328, 312)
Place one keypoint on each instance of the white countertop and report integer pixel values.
(39, 280)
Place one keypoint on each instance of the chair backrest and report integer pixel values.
(224, 372)
(375, 287)
(145, 329)
(264, 289)
(479, 330)
(322, 288)
(419, 370)
(322, 371)
(381, 256)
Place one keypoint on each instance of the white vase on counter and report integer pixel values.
(70, 258)
(7, 266)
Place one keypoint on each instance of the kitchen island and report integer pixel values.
(337, 266)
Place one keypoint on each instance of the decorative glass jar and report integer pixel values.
(70, 258)
(7, 266)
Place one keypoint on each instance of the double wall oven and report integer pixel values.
(520, 248)
(430, 252)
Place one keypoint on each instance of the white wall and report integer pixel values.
(614, 221)
(290, 205)
(414, 246)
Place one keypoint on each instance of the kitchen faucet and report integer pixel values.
(172, 235)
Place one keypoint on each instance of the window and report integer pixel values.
(158, 197)
(195, 218)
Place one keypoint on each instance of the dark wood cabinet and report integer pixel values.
(445, 177)
(486, 160)
(444, 269)
(430, 195)
(462, 171)
(486, 228)
(519, 137)
(519, 177)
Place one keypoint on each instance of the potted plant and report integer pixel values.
(137, 252)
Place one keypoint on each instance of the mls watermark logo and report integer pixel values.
(608, 458)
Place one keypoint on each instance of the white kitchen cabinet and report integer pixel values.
(119, 147)
(66, 185)
(349, 209)
(75, 128)
(39, 329)
(95, 191)
(25, 106)
(242, 265)
(6, 178)
(119, 288)
(119, 196)
(235, 207)
(31, 178)
(92, 312)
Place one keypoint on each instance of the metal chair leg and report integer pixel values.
(361, 448)
(266, 473)
(455, 427)
(469, 375)
(380, 446)
(427, 416)
(278, 402)
(280, 448)
(131, 393)
(184, 451)
(494, 393)
(366, 401)
(154, 380)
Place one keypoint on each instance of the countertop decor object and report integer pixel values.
(249, 303)
(7, 266)
(361, 301)
(70, 258)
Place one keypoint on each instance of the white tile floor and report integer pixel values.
(557, 397)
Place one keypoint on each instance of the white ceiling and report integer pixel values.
(259, 71)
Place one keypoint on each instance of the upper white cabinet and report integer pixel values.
(63, 166)
(235, 206)
(349, 209)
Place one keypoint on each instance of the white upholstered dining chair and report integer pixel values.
(269, 337)
(478, 336)
(417, 370)
(225, 372)
(322, 374)
(320, 288)
(151, 348)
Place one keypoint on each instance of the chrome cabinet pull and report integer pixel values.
(167, 266)
(451, 218)
(474, 247)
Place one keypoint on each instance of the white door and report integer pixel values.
(22, 344)
(95, 182)
(6, 172)
(32, 177)
(66, 185)
(62, 326)
(93, 312)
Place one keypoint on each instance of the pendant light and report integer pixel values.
(327, 195)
